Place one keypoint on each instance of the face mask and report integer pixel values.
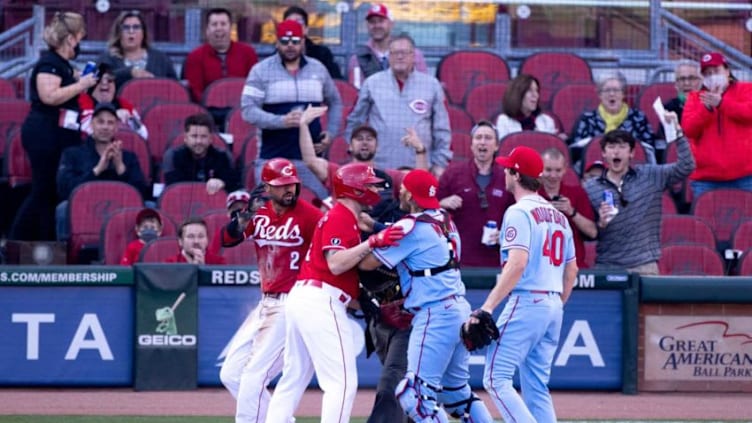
(76, 51)
(148, 234)
(715, 81)
(682, 97)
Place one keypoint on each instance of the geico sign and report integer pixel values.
(169, 340)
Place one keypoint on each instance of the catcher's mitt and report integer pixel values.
(478, 335)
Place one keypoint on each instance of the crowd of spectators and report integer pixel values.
(400, 121)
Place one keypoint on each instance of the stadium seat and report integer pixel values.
(685, 229)
(745, 264)
(668, 206)
(690, 260)
(13, 112)
(665, 90)
(723, 210)
(118, 231)
(484, 101)
(397, 176)
(215, 220)
(590, 247)
(241, 130)
(742, 238)
(539, 141)
(324, 120)
(459, 120)
(570, 101)
(223, 92)
(242, 254)
(159, 250)
(16, 163)
(183, 200)
(249, 154)
(460, 146)
(135, 144)
(147, 92)
(165, 121)
(347, 92)
(460, 71)
(89, 206)
(555, 70)
(7, 89)
(309, 196)
(339, 151)
(593, 152)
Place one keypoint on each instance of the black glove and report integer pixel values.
(478, 335)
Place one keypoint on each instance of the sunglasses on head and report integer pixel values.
(289, 40)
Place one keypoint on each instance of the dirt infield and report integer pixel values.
(217, 402)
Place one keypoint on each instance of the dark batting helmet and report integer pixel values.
(353, 180)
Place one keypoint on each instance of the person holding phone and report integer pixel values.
(572, 200)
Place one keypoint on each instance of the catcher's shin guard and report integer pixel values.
(418, 400)
(462, 403)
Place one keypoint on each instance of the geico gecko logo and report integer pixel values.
(167, 329)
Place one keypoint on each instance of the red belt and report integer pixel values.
(329, 289)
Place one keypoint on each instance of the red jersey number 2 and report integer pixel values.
(553, 248)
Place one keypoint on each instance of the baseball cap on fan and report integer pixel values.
(239, 195)
(289, 28)
(711, 60)
(424, 187)
(524, 160)
(148, 213)
(379, 10)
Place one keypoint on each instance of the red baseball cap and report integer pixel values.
(239, 195)
(524, 160)
(148, 213)
(379, 10)
(711, 60)
(595, 163)
(424, 188)
(289, 28)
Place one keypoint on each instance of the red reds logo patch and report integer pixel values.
(510, 234)
(419, 106)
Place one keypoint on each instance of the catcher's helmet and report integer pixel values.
(278, 172)
(352, 181)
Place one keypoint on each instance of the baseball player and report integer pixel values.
(538, 274)
(427, 260)
(282, 229)
(318, 336)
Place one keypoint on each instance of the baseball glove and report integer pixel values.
(478, 335)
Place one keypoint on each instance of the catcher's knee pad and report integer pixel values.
(418, 400)
(463, 404)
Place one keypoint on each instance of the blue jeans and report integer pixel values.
(699, 187)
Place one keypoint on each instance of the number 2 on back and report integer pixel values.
(553, 248)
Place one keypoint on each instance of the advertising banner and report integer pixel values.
(66, 275)
(166, 327)
(66, 336)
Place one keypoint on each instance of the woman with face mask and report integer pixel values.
(718, 122)
(52, 123)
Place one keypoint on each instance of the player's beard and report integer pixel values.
(286, 201)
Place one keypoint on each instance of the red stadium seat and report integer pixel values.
(17, 164)
(570, 101)
(159, 250)
(147, 92)
(460, 146)
(742, 238)
(135, 144)
(7, 89)
(250, 153)
(555, 70)
(118, 231)
(690, 260)
(397, 176)
(745, 264)
(215, 220)
(665, 90)
(462, 70)
(459, 120)
(483, 102)
(590, 247)
(347, 92)
(539, 141)
(308, 195)
(668, 204)
(685, 229)
(339, 151)
(223, 92)
(89, 206)
(183, 200)
(241, 254)
(723, 210)
(241, 130)
(13, 112)
(165, 121)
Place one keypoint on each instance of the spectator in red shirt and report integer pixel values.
(193, 239)
(219, 57)
(572, 200)
(148, 228)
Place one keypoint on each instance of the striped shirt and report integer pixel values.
(632, 238)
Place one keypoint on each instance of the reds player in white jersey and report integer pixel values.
(282, 230)
(318, 335)
(538, 274)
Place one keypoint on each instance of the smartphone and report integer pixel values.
(556, 198)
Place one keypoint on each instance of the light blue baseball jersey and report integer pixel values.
(534, 225)
(424, 247)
